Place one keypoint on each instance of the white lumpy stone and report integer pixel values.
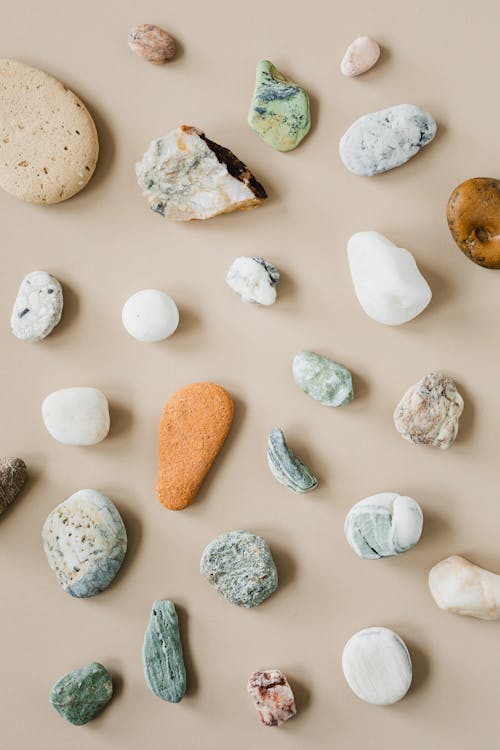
(377, 666)
(254, 279)
(77, 416)
(386, 279)
(360, 56)
(38, 306)
(463, 588)
(386, 139)
(150, 315)
(383, 525)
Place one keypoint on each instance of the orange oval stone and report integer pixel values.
(474, 220)
(193, 427)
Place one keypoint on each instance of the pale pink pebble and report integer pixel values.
(360, 56)
(272, 696)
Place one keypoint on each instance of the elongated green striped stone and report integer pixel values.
(162, 657)
(285, 466)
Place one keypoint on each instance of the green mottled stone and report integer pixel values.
(279, 111)
(324, 380)
(285, 466)
(80, 695)
(239, 565)
(162, 657)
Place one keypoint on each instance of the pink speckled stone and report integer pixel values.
(360, 56)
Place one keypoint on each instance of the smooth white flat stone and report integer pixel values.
(77, 416)
(463, 588)
(387, 282)
(150, 315)
(377, 666)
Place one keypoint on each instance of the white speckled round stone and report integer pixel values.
(377, 666)
(150, 315)
(38, 306)
(77, 416)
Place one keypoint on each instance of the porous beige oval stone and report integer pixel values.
(48, 140)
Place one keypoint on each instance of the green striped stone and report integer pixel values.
(162, 657)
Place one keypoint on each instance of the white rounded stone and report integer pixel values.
(459, 586)
(77, 416)
(254, 279)
(377, 666)
(150, 315)
(38, 306)
(360, 56)
(386, 279)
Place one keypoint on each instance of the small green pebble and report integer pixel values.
(80, 695)
(279, 111)
(324, 380)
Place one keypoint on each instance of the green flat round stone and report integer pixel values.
(279, 111)
(80, 695)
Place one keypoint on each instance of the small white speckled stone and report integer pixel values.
(360, 56)
(387, 281)
(254, 279)
(77, 416)
(37, 308)
(377, 666)
(150, 315)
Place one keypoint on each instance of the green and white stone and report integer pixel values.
(383, 525)
(239, 565)
(285, 466)
(80, 695)
(279, 111)
(326, 381)
(85, 541)
(162, 656)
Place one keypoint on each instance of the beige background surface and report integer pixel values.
(105, 244)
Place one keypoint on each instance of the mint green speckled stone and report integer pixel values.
(80, 695)
(162, 656)
(279, 111)
(324, 380)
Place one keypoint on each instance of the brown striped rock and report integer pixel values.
(12, 478)
(193, 427)
(473, 215)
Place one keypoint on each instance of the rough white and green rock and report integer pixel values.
(239, 565)
(162, 656)
(279, 111)
(254, 279)
(326, 381)
(285, 466)
(80, 695)
(383, 525)
(85, 541)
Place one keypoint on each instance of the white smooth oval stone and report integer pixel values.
(383, 525)
(38, 306)
(77, 416)
(377, 666)
(463, 588)
(150, 315)
(85, 541)
(254, 279)
(386, 279)
(360, 56)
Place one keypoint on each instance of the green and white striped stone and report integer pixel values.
(285, 466)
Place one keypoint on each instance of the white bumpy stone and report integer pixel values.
(254, 279)
(386, 279)
(77, 416)
(38, 306)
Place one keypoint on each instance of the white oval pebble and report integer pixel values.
(377, 666)
(38, 307)
(386, 279)
(150, 315)
(360, 56)
(77, 416)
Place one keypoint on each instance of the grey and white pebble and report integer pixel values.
(383, 525)
(239, 565)
(254, 279)
(386, 139)
(285, 466)
(85, 541)
(377, 666)
(38, 306)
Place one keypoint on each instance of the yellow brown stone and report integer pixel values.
(474, 220)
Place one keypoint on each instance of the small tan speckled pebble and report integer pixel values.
(151, 43)
(48, 140)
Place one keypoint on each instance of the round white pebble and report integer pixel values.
(150, 315)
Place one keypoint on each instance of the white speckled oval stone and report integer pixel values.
(383, 525)
(377, 666)
(387, 139)
(77, 416)
(85, 541)
(38, 306)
